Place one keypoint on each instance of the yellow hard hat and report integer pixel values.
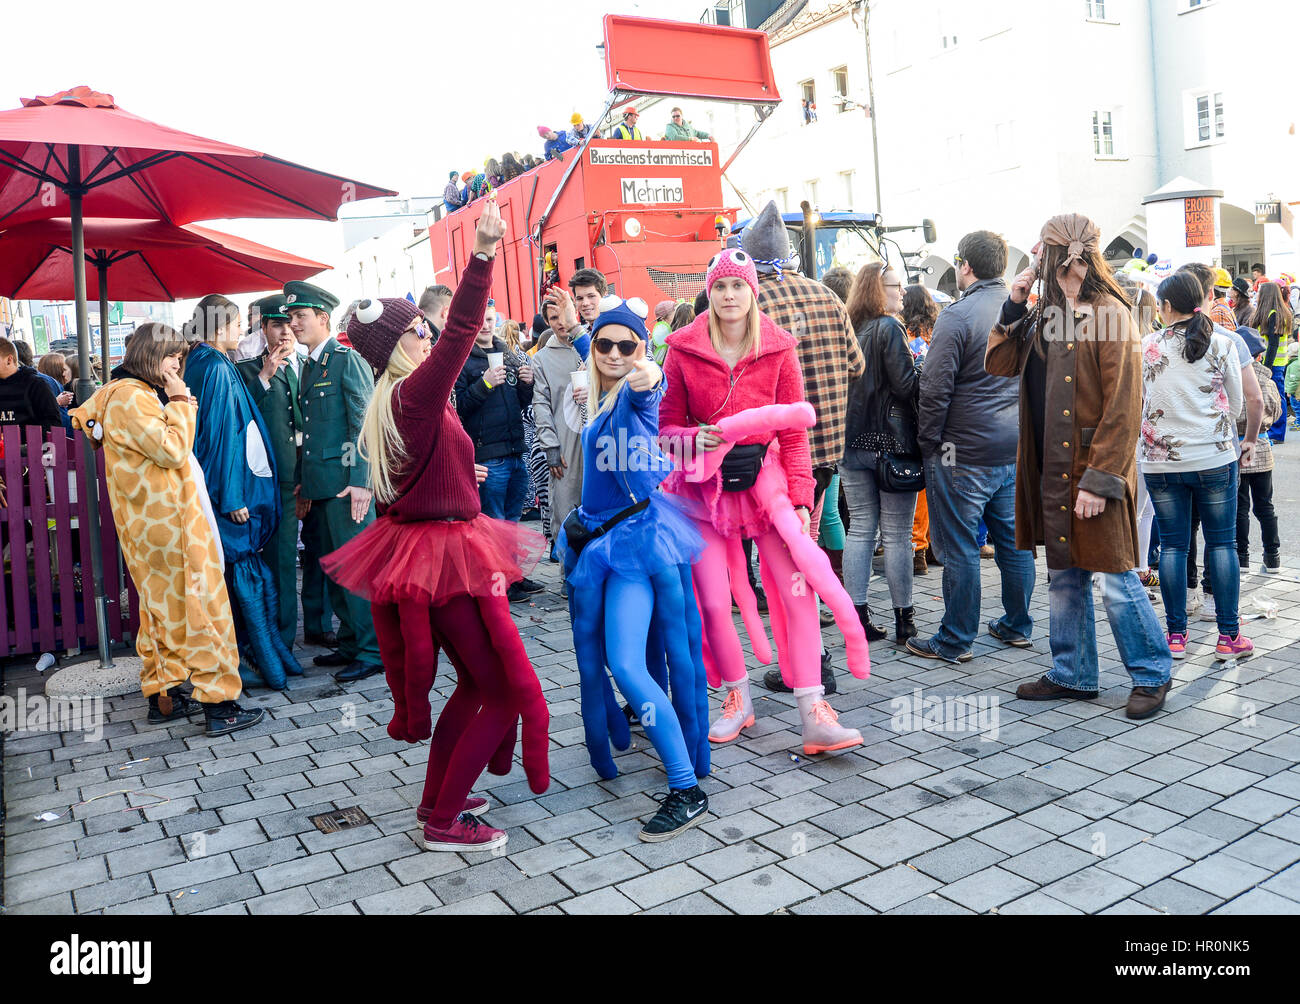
(576, 118)
(1222, 279)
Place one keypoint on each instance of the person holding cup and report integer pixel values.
(492, 393)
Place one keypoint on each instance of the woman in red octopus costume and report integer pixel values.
(435, 569)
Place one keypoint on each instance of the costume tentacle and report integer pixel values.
(247, 592)
(743, 592)
(682, 654)
(594, 689)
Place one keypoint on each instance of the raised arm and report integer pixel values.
(425, 392)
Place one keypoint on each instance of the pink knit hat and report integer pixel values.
(729, 262)
(543, 130)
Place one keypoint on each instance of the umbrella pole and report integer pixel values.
(85, 388)
(102, 267)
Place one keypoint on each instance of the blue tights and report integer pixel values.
(633, 618)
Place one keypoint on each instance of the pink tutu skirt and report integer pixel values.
(732, 514)
(435, 560)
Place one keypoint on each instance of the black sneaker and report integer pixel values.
(772, 678)
(678, 810)
(227, 717)
(633, 720)
(180, 707)
(514, 594)
(529, 586)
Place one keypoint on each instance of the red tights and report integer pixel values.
(496, 686)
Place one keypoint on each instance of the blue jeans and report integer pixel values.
(502, 494)
(1277, 433)
(871, 509)
(1142, 646)
(1215, 493)
(960, 498)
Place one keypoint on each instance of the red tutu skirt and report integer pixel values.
(435, 560)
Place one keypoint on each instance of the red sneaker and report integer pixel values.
(474, 806)
(465, 833)
(1177, 645)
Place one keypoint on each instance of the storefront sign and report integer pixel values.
(1268, 212)
(1198, 215)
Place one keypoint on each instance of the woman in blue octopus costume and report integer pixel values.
(230, 446)
(628, 553)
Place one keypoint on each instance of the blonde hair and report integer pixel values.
(602, 396)
(380, 443)
(752, 339)
(510, 335)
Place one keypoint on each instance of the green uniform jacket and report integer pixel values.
(279, 406)
(333, 394)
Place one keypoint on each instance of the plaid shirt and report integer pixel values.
(1221, 313)
(828, 353)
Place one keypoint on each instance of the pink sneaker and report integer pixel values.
(465, 833)
(474, 806)
(1233, 648)
(1177, 645)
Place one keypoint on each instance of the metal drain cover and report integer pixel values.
(339, 819)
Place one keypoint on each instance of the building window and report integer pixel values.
(811, 188)
(783, 199)
(808, 94)
(846, 178)
(1096, 9)
(841, 77)
(1103, 135)
(1209, 116)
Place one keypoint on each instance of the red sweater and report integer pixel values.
(698, 389)
(439, 480)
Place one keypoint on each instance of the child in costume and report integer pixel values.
(435, 569)
(628, 551)
(733, 380)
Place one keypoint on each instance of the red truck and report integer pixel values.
(646, 213)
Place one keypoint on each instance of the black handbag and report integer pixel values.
(740, 467)
(577, 534)
(896, 473)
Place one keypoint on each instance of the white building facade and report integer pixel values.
(998, 114)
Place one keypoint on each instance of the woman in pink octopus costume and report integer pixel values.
(733, 385)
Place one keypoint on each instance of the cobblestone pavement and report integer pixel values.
(1063, 808)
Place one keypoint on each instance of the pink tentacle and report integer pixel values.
(711, 671)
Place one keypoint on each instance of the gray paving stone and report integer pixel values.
(301, 871)
(1264, 850)
(231, 891)
(602, 902)
(534, 893)
(45, 882)
(827, 867)
(663, 885)
(356, 885)
(1223, 875)
(1286, 883)
(1259, 902)
(1256, 805)
(961, 815)
(485, 905)
(288, 902)
(1219, 824)
(986, 889)
(1144, 863)
(596, 873)
(958, 859)
(763, 891)
(892, 842)
(892, 887)
(1105, 837)
(1036, 904)
(403, 901)
(1048, 862)
(1091, 889)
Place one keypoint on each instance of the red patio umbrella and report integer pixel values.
(140, 260)
(75, 153)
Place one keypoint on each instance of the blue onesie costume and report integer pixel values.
(632, 599)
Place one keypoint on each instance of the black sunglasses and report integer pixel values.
(605, 346)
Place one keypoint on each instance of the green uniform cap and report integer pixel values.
(304, 294)
(272, 308)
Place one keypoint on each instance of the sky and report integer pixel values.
(391, 93)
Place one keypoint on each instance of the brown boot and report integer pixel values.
(1146, 701)
(932, 558)
(837, 563)
(1044, 689)
(919, 566)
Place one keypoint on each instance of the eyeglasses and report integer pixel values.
(678, 115)
(419, 329)
(605, 346)
(957, 260)
(893, 285)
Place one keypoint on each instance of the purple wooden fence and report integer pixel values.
(47, 603)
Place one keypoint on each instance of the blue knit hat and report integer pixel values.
(631, 314)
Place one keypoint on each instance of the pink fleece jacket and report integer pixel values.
(699, 389)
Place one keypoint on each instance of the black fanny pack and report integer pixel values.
(741, 465)
(577, 534)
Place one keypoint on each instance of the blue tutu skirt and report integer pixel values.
(660, 537)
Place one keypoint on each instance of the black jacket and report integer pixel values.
(493, 418)
(963, 407)
(26, 399)
(882, 402)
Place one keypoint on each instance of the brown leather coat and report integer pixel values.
(1093, 416)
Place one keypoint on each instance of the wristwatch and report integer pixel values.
(484, 257)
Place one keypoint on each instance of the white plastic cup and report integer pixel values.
(46, 661)
(496, 359)
(579, 378)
